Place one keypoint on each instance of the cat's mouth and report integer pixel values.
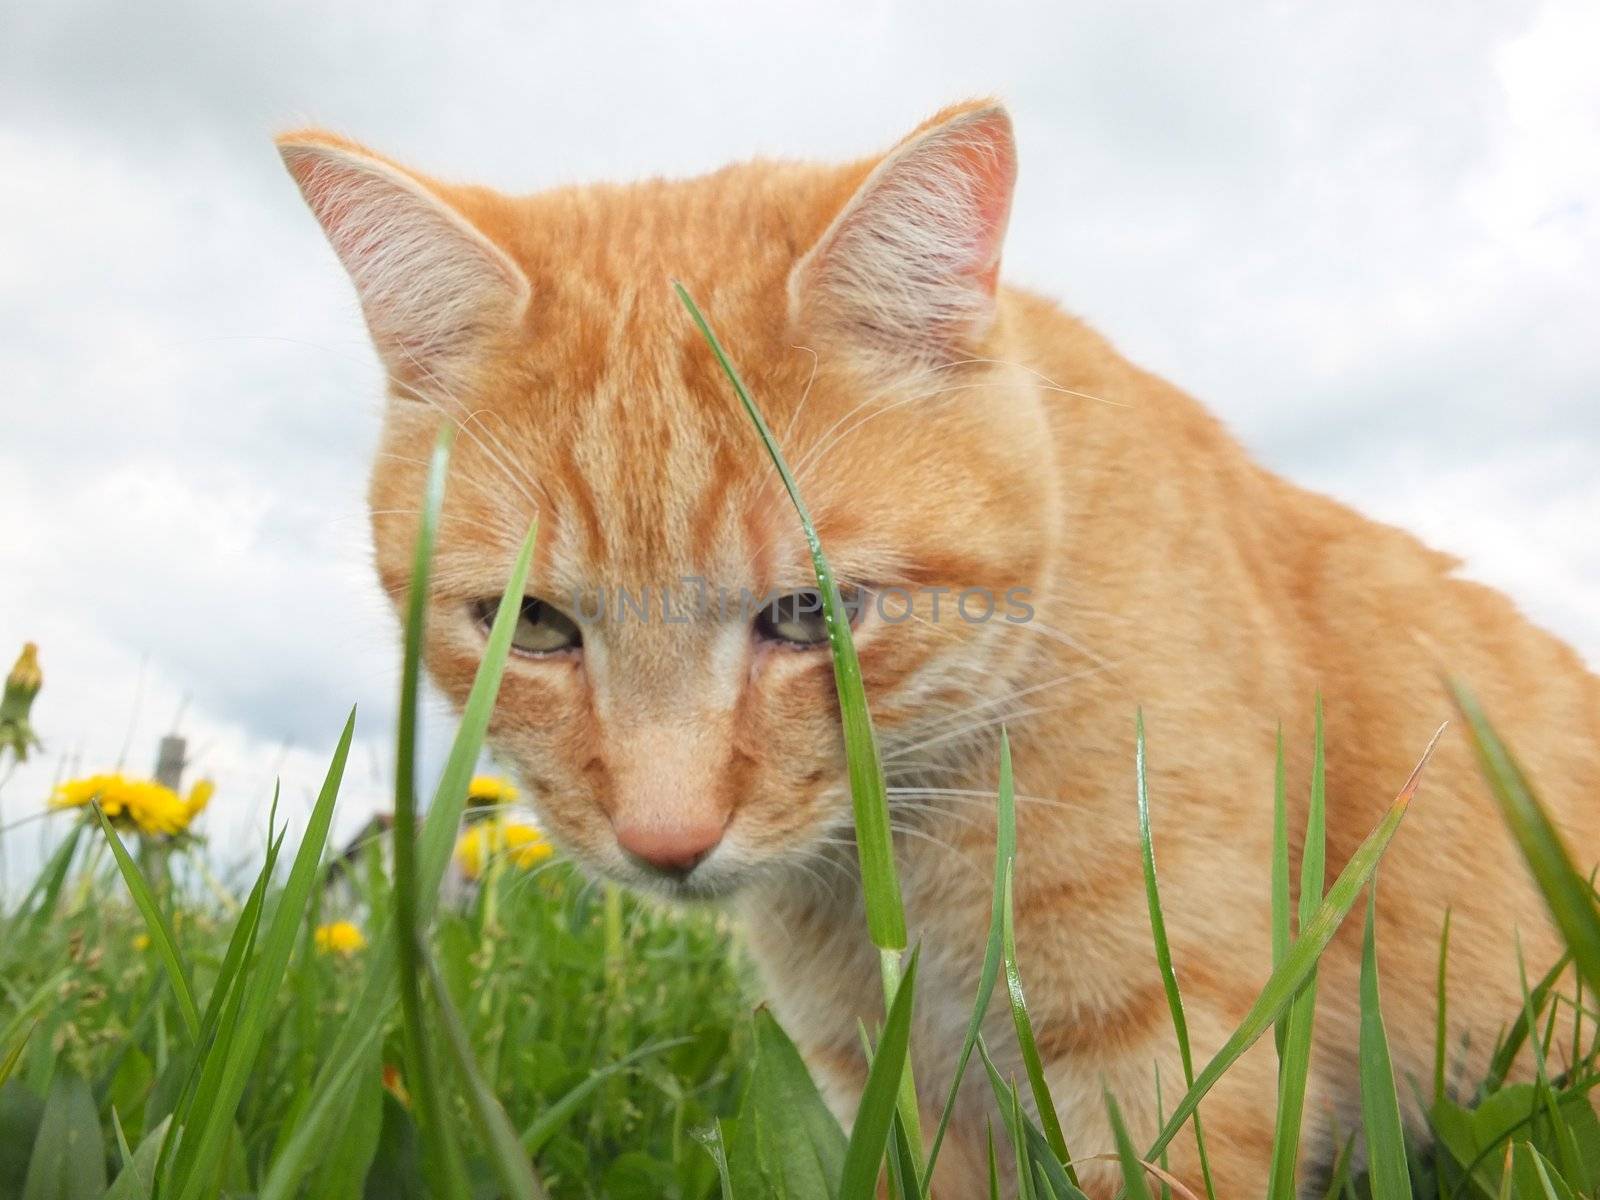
(708, 880)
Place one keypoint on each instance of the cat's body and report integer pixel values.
(948, 433)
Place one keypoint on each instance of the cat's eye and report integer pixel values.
(542, 628)
(797, 618)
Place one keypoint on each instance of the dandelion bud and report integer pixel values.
(22, 685)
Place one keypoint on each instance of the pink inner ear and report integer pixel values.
(910, 269)
(993, 166)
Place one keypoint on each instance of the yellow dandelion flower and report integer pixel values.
(486, 791)
(143, 805)
(523, 846)
(343, 938)
(199, 796)
(526, 846)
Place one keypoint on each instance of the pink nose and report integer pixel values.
(674, 848)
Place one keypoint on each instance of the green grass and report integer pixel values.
(548, 1037)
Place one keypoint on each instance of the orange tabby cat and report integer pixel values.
(956, 439)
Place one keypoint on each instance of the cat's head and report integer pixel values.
(674, 729)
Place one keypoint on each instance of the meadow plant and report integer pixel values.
(542, 1037)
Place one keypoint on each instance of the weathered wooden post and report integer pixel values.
(170, 761)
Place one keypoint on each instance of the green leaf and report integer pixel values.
(1388, 1175)
(1282, 935)
(1506, 1052)
(1535, 1178)
(364, 1024)
(396, 1172)
(155, 923)
(785, 1135)
(1294, 1060)
(1025, 1039)
(228, 1065)
(715, 1139)
(1289, 976)
(344, 1171)
(886, 920)
(870, 1134)
(1005, 851)
(69, 1153)
(1567, 893)
(1024, 1133)
(12, 1033)
(20, 1113)
(428, 1092)
(1158, 930)
(1134, 1183)
(1441, 1012)
(136, 1180)
(550, 1120)
(506, 1155)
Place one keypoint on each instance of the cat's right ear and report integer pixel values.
(433, 288)
(906, 274)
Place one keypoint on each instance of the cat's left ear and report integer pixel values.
(907, 272)
(435, 290)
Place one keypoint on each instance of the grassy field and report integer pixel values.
(551, 979)
(342, 1028)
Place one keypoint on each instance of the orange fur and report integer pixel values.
(1006, 446)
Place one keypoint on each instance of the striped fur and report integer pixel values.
(948, 433)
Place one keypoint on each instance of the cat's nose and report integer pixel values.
(676, 849)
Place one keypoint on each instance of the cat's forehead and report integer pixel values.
(750, 220)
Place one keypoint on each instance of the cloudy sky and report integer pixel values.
(1368, 235)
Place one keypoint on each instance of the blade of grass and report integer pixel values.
(1568, 895)
(14, 1055)
(1441, 1023)
(550, 1120)
(885, 914)
(870, 1133)
(428, 1090)
(1281, 933)
(886, 920)
(362, 1026)
(1039, 1156)
(240, 1040)
(1287, 979)
(1560, 1130)
(1511, 1045)
(1048, 1120)
(1388, 1175)
(1294, 1060)
(1005, 850)
(155, 923)
(903, 1180)
(1134, 1182)
(1158, 930)
(205, 1076)
(1019, 1144)
(505, 1151)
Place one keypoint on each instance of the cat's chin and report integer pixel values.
(708, 883)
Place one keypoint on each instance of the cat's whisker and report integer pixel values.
(480, 486)
(1044, 381)
(905, 830)
(806, 394)
(975, 726)
(828, 438)
(447, 518)
(462, 424)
